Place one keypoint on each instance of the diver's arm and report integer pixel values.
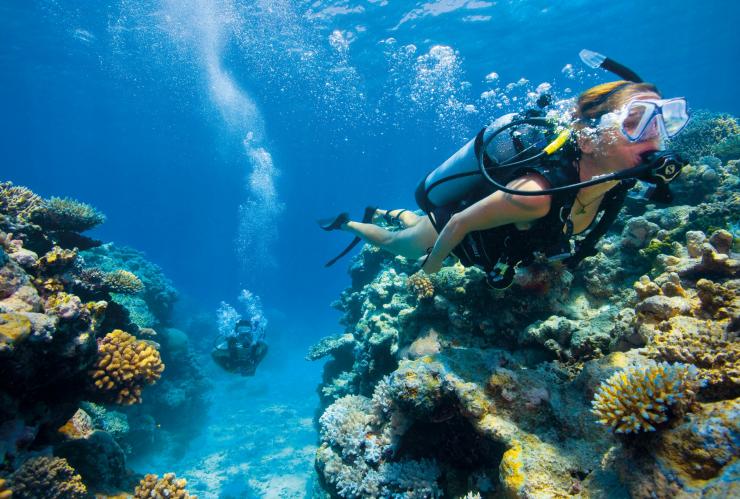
(492, 211)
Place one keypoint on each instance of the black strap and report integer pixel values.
(587, 247)
(346, 250)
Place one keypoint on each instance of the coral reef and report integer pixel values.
(167, 487)
(618, 379)
(705, 132)
(637, 400)
(124, 366)
(49, 477)
(122, 281)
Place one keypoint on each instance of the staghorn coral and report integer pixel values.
(639, 399)
(125, 365)
(421, 286)
(18, 202)
(167, 487)
(123, 281)
(47, 477)
(67, 214)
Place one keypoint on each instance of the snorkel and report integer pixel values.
(657, 167)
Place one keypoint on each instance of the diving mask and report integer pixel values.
(643, 119)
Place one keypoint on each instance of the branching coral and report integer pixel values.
(167, 487)
(68, 214)
(703, 133)
(125, 365)
(49, 477)
(123, 281)
(638, 399)
(421, 286)
(18, 202)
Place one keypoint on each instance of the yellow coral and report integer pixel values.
(167, 487)
(123, 281)
(637, 399)
(707, 345)
(13, 329)
(421, 286)
(5, 492)
(18, 201)
(125, 365)
(56, 259)
(510, 471)
(48, 477)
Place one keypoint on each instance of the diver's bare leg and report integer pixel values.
(411, 242)
(407, 217)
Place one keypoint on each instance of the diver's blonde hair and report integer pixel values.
(607, 97)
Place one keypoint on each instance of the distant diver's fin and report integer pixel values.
(367, 218)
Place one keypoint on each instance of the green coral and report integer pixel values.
(638, 399)
(728, 148)
(657, 247)
(69, 215)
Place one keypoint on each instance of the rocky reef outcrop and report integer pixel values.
(617, 379)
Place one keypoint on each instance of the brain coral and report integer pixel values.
(167, 487)
(125, 365)
(637, 399)
(123, 281)
(49, 477)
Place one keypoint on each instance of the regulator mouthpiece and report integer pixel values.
(660, 168)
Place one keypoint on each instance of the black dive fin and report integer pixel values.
(367, 218)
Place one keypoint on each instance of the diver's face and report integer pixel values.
(614, 149)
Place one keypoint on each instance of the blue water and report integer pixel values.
(168, 115)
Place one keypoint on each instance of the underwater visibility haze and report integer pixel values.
(167, 322)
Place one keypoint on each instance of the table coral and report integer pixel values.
(639, 399)
(167, 487)
(125, 365)
(123, 281)
(47, 477)
(68, 215)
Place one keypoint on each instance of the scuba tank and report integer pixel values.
(451, 181)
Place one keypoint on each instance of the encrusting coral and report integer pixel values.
(18, 202)
(639, 399)
(49, 477)
(125, 365)
(167, 487)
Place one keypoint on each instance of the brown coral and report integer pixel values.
(705, 344)
(167, 487)
(49, 477)
(421, 286)
(123, 281)
(125, 365)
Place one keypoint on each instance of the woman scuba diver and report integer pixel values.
(524, 187)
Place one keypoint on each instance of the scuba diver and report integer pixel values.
(242, 351)
(527, 188)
